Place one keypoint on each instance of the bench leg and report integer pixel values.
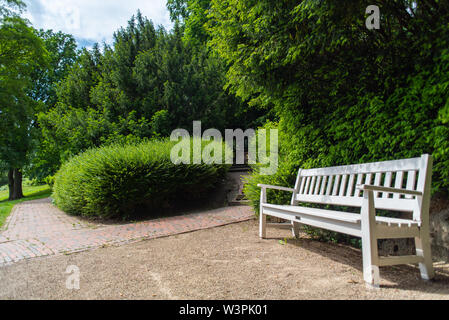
(370, 269)
(262, 226)
(262, 217)
(296, 227)
(423, 249)
(369, 242)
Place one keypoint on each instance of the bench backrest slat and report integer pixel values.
(337, 185)
(398, 182)
(411, 181)
(350, 189)
(387, 183)
(385, 166)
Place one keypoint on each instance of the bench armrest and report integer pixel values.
(266, 186)
(388, 189)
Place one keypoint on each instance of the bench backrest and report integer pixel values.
(337, 185)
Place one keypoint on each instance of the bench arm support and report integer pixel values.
(263, 199)
(369, 239)
(369, 187)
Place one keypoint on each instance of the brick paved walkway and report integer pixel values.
(37, 228)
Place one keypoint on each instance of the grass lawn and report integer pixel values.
(30, 193)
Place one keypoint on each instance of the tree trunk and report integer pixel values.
(15, 184)
(18, 193)
(11, 183)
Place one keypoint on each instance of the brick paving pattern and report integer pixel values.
(37, 228)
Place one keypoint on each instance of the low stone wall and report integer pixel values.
(439, 228)
(396, 247)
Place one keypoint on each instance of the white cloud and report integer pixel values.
(93, 20)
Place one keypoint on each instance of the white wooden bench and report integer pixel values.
(399, 185)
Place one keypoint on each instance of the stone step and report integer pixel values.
(240, 168)
(239, 203)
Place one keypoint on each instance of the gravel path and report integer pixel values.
(228, 262)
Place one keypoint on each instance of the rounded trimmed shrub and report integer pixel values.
(120, 181)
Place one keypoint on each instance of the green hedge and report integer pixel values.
(120, 181)
(412, 121)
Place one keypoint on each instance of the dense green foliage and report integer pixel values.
(344, 94)
(148, 83)
(21, 52)
(120, 181)
(62, 53)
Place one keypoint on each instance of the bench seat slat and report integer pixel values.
(328, 214)
(395, 260)
(315, 221)
(397, 221)
(340, 215)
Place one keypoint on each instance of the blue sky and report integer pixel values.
(93, 21)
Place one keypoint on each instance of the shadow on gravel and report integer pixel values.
(404, 277)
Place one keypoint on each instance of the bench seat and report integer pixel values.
(323, 213)
(340, 221)
(338, 215)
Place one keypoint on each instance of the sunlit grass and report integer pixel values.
(30, 193)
